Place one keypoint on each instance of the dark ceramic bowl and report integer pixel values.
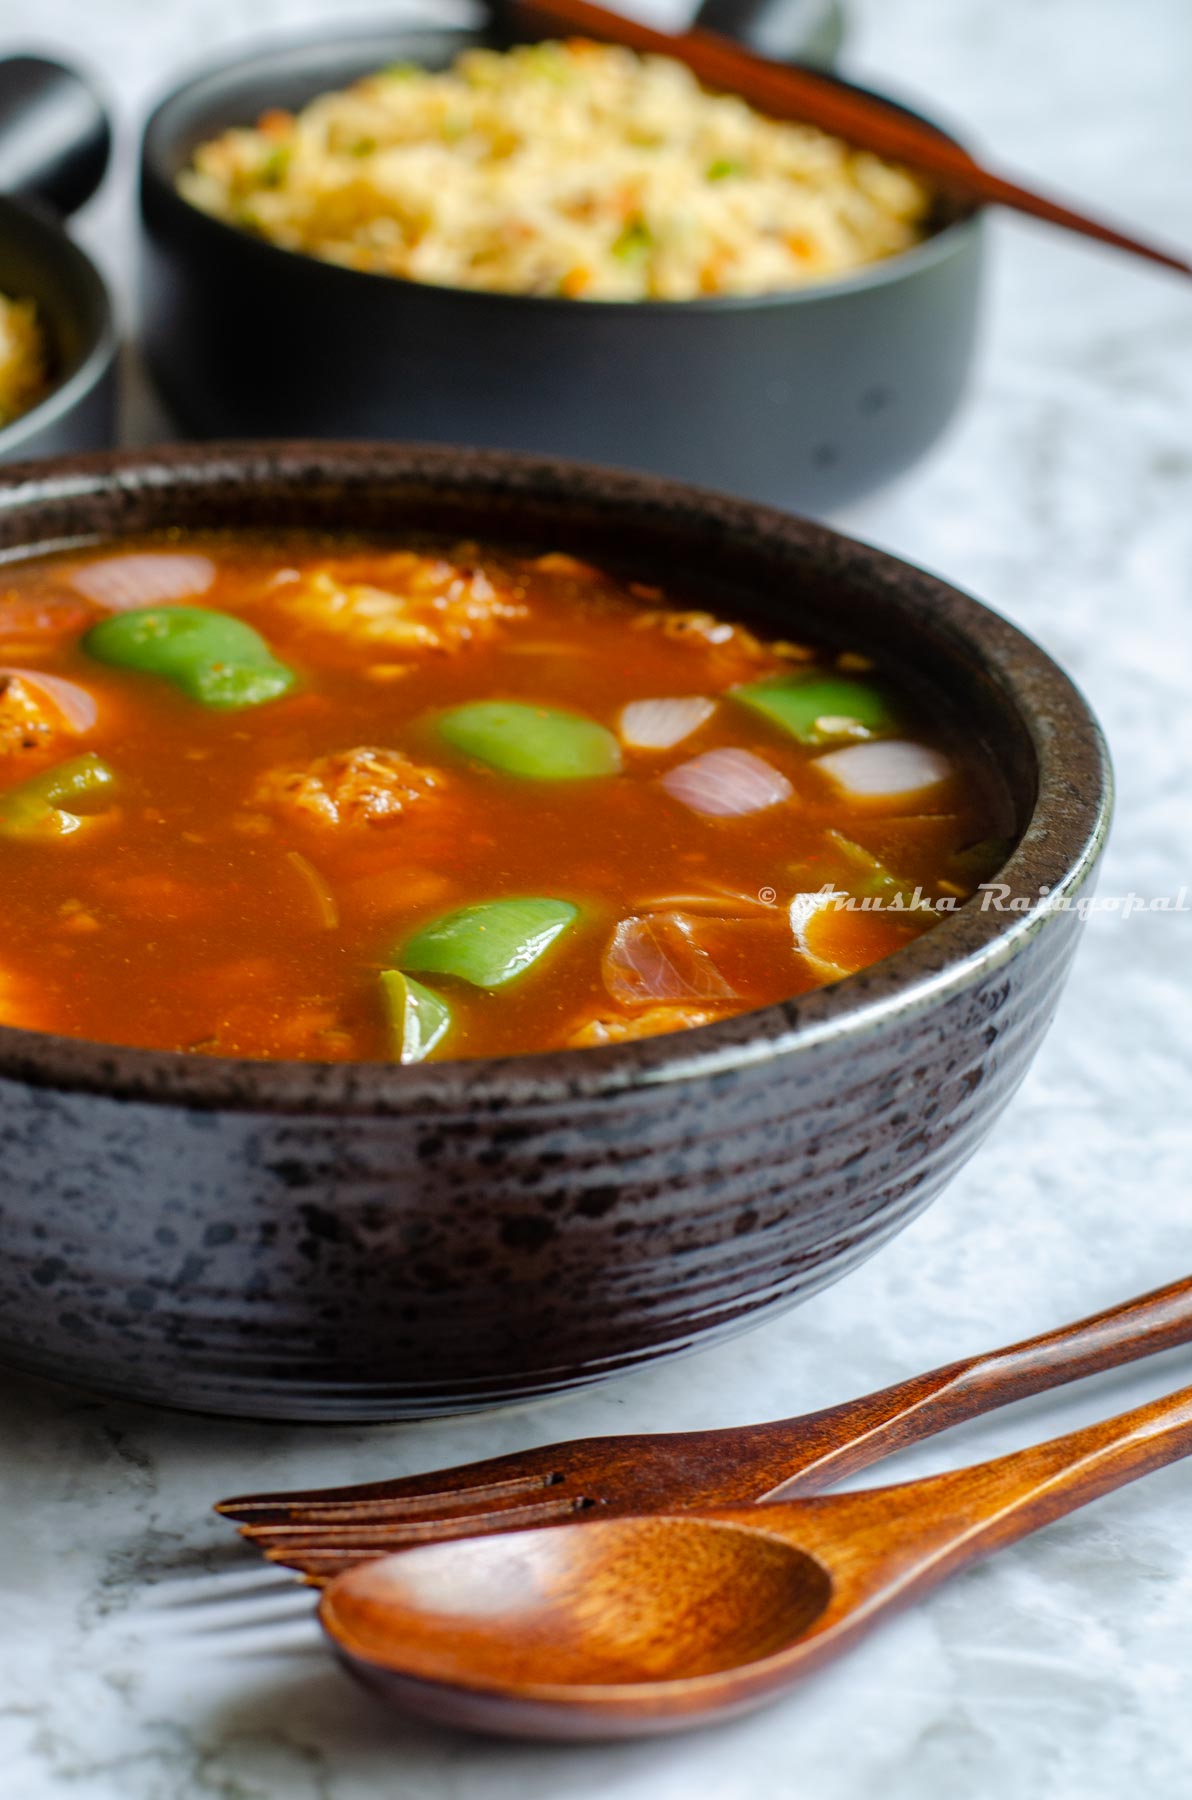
(39, 262)
(805, 399)
(318, 1241)
(55, 140)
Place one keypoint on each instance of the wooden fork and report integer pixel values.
(324, 1531)
(627, 1627)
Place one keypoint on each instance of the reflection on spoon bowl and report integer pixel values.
(567, 1614)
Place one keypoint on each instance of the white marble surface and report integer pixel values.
(143, 1657)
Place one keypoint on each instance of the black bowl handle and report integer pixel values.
(55, 138)
(806, 31)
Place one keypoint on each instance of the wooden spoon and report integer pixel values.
(323, 1531)
(632, 1626)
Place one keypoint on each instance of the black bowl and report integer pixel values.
(39, 261)
(55, 140)
(311, 1241)
(805, 399)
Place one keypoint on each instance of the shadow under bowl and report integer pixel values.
(364, 1241)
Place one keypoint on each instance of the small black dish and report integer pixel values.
(39, 261)
(54, 146)
(804, 399)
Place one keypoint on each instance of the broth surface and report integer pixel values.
(248, 872)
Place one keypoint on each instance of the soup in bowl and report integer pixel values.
(475, 924)
(349, 799)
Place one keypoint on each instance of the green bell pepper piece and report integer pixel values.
(29, 810)
(488, 944)
(539, 742)
(418, 1019)
(979, 862)
(872, 877)
(634, 243)
(214, 658)
(817, 709)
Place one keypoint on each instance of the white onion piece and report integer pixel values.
(805, 910)
(716, 901)
(727, 784)
(76, 706)
(661, 724)
(883, 769)
(143, 578)
(656, 960)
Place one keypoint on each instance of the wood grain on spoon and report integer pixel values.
(634, 1626)
(800, 94)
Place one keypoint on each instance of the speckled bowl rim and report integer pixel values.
(1058, 851)
(70, 390)
(159, 139)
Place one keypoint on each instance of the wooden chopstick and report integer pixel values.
(800, 94)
